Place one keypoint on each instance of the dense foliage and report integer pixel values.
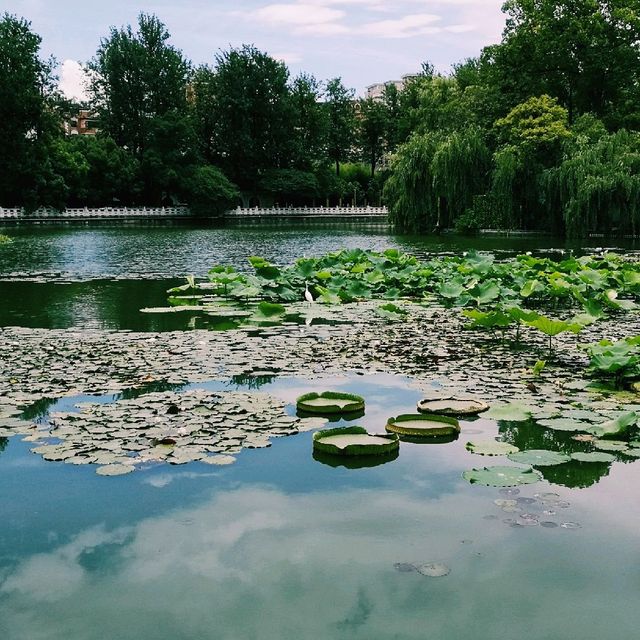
(538, 132)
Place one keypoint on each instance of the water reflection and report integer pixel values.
(256, 562)
(173, 252)
(529, 435)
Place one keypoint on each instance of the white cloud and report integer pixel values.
(405, 27)
(73, 80)
(288, 57)
(298, 14)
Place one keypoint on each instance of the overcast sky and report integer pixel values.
(363, 41)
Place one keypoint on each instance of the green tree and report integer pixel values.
(341, 117)
(409, 192)
(27, 122)
(208, 191)
(372, 127)
(252, 107)
(135, 78)
(597, 187)
(583, 52)
(309, 121)
(170, 152)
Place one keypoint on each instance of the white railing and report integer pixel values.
(45, 213)
(308, 211)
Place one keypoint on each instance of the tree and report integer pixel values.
(341, 116)
(135, 78)
(203, 112)
(209, 192)
(250, 100)
(27, 123)
(597, 188)
(583, 52)
(532, 134)
(309, 121)
(170, 153)
(372, 126)
(409, 191)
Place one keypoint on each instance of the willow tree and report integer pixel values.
(598, 187)
(460, 167)
(409, 191)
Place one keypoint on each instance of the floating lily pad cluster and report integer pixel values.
(167, 427)
(545, 509)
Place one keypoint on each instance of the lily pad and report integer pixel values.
(564, 424)
(433, 569)
(610, 445)
(114, 470)
(539, 457)
(511, 412)
(453, 406)
(420, 425)
(594, 456)
(502, 476)
(491, 448)
(354, 441)
(330, 402)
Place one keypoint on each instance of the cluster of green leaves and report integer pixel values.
(492, 294)
(619, 360)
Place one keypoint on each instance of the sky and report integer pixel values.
(362, 41)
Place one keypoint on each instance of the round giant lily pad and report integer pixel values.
(354, 441)
(539, 457)
(424, 426)
(491, 448)
(329, 402)
(502, 476)
(452, 406)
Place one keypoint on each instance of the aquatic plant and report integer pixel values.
(354, 441)
(5, 239)
(617, 360)
(329, 402)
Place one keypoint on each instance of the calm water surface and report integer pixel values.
(280, 545)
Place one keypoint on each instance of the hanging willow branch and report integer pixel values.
(598, 187)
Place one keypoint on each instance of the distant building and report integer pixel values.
(84, 123)
(376, 91)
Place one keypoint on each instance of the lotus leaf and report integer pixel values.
(594, 456)
(491, 448)
(114, 470)
(502, 476)
(510, 412)
(539, 457)
(564, 424)
(433, 569)
(610, 445)
(614, 428)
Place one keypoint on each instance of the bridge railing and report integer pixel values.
(307, 211)
(45, 213)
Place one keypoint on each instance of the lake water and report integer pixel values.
(280, 545)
